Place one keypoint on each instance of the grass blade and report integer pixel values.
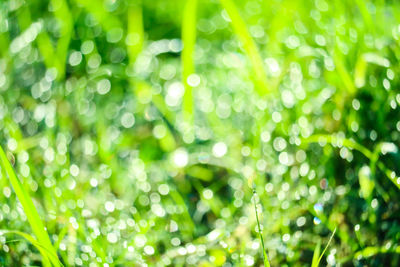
(64, 17)
(189, 41)
(316, 254)
(28, 206)
(249, 46)
(326, 247)
(265, 256)
(135, 34)
(48, 257)
(344, 73)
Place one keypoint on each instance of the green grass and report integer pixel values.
(372, 156)
(188, 66)
(43, 243)
(249, 46)
(317, 256)
(49, 258)
(138, 131)
(264, 253)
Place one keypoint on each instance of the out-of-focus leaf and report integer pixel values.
(366, 183)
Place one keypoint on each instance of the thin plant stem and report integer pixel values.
(265, 256)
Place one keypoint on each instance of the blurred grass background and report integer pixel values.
(139, 130)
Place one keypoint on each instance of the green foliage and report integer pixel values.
(135, 133)
(240, 29)
(265, 256)
(188, 42)
(317, 256)
(49, 257)
(43, 244)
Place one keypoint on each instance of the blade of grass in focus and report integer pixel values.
(29, 208)
(265, 256)
(249, 46)
(317, 257)
(189, 41)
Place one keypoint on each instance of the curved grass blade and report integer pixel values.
(48, 256)
(28, 206)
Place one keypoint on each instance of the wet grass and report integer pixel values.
(199, 133)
